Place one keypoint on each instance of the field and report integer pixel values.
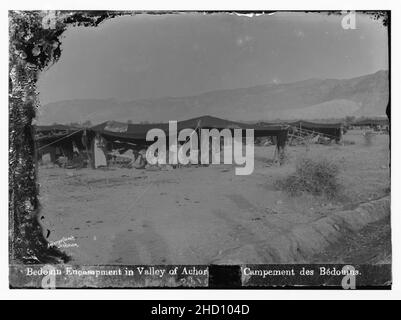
(200, 215)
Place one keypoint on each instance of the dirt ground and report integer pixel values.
(198, 215)
(372, 245)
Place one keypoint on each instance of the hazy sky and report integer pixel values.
(147, 56)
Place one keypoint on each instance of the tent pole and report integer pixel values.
(87, 150)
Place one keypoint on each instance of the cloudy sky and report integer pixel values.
(145, 56)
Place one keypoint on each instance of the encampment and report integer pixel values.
(117, 142)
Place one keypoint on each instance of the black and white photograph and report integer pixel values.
(199, 149)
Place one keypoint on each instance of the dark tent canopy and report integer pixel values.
(50, 133)
(332, 130)
(54, 127)
(128, 131)
(372, 122)
(313, 125)
(209, 122)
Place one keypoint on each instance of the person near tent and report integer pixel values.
(140, 161)
(98, 151)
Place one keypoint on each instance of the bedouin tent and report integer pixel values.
(332, 130)
(132, 132)
(56, 140)
(136, 133)
(371, 122)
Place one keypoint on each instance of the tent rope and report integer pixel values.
(49, 144)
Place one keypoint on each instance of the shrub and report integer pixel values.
(314, 176)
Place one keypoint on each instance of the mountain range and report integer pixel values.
(366, 95)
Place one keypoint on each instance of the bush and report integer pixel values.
(314, 176)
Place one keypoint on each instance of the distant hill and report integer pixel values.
(308, 99)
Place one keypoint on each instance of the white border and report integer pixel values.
(395, 293)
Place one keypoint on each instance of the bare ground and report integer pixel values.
(200, 215)
(371, 245)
